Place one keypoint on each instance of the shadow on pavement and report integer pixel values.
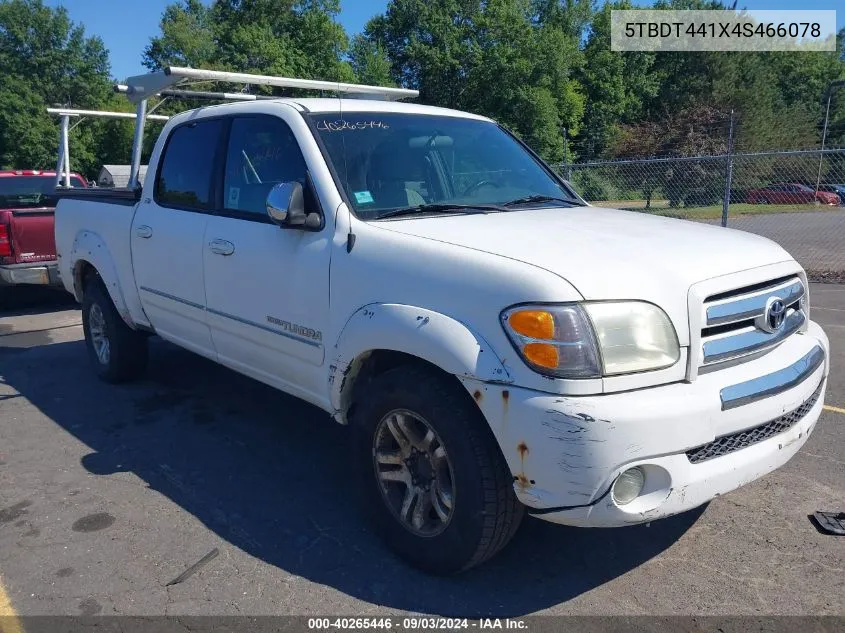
(272, 476)
(25, 300)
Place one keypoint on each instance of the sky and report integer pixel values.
(127, 26)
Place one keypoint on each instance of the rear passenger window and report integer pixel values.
(185, 175)
(262, 152)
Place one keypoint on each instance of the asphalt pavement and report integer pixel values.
(110, 493)
(815, 238)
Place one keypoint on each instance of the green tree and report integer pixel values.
(619, 85)
(47, 60)
(299, 38)
(369, 62)
(495, 57)
(688, 132)
(187, 38)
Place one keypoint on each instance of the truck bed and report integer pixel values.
(110, 195)
(96, 227)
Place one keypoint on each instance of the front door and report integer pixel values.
(167, 236)
(267, 288)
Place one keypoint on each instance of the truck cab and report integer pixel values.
(27, 239)
(495, 345)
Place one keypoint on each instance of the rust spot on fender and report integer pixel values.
(477, 395)
(506, 397)
(521, 478)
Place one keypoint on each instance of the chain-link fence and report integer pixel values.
(796, 198)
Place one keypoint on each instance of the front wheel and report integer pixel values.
(440, 490)
(117, 352)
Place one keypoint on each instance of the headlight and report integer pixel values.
(589, 340)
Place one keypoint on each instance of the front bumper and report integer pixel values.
(39, 274)
(566, 452)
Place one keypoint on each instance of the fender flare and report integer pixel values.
(434, 337)
(90, 248)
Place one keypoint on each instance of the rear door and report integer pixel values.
(167, 235)
(28, 203)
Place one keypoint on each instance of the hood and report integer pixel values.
(607, 253)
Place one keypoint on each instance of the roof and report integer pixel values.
(120, 174)
(323, 105)
(117, 170)
(338, 106)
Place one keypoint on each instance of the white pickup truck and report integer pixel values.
(496, 345)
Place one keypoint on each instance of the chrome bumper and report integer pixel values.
(774, 383)
(30, 274)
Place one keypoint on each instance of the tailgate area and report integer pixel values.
(32, 235)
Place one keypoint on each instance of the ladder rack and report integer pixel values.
(63, 164)
(140, 88)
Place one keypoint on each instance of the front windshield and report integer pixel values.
(29, 192)
(388, 161)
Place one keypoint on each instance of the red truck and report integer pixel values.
(790, 193)
(27, 241)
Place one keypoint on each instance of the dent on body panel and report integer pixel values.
(577, 435)
(562, 445)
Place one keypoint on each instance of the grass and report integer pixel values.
(713, 212)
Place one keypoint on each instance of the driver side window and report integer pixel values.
(262, 152)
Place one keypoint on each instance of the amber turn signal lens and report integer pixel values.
(542, 354)
(533, 323)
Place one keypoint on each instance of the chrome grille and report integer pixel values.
(737, 441)
(737, 323)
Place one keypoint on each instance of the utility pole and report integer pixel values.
(567, 168)
(729, 169)
(833, 84)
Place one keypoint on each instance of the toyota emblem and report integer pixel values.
(775, 313)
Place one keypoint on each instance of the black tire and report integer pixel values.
(127, 348)
(485, 512)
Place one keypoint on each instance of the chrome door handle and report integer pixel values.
(144, 231)
(221, 247)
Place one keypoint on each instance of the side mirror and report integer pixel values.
(286, 207)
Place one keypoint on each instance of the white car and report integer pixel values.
(496, 345)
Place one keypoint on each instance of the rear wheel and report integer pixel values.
(440, 491)
(118, 352)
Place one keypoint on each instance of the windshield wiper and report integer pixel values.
(539, 198)
(440, 207)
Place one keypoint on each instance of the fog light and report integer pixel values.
(628, 486)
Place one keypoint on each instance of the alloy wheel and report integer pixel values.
(414, 473)
(99, 338)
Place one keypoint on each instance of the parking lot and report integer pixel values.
(107, 494)
(814, 238)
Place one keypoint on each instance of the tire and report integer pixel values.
(485, 512)
(125, 356)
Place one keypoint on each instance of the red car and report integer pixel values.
(27, 240)
(790, 193)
